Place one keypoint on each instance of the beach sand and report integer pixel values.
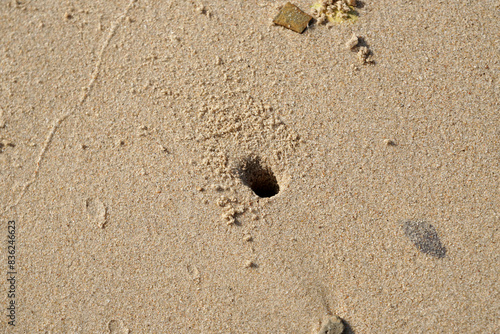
(133, 132)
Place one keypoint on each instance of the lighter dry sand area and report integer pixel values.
(189, 167)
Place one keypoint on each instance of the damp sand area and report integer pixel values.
(212, 167)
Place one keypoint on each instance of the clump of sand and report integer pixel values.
(334, 10)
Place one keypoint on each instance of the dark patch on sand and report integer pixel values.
(424, 236)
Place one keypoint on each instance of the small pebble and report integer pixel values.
(332, 325)
(217, 187)
(365, 55)
(200, 9)
(352, 42)
(389, 142)
(249, 264)
(230, 221)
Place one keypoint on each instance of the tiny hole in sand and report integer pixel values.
(259, 177)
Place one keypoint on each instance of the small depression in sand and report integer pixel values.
(258, 177)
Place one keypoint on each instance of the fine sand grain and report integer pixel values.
(188, 166)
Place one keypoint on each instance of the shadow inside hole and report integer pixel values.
(347, 328)
(259, 177)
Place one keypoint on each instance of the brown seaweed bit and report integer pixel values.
(291, 17)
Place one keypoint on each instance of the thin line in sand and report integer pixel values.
(60, 120)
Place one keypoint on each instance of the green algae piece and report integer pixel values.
(337, 16)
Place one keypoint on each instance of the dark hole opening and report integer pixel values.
(259, 178)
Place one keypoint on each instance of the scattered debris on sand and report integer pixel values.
(357, 44)
(227, 124)
(291, 17)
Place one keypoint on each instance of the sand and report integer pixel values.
(133, 132)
